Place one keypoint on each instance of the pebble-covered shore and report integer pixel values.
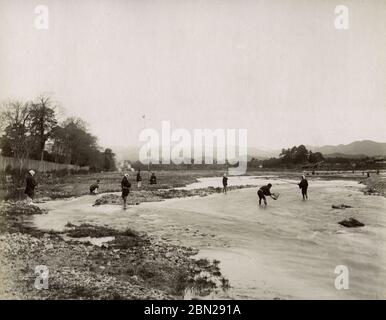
(128, 266)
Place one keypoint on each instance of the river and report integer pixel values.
(287, 250)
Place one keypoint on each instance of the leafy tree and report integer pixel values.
(109, 160)
(59, 148)
(300, 154)
(74, 144)
(315, 157)
(26, 127)
(43, 122)
(285, 155)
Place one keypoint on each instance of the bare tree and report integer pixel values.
(16, 121)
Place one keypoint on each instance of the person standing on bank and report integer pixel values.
(153, 178)
(225, 183)
(30, 186)
(139, 179)
(303, 184)
(125, 185)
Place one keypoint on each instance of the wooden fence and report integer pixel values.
(41, 166)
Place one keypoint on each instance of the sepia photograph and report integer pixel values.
(194, 150)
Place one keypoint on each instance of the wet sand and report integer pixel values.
(287, 250)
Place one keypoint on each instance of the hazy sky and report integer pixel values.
(277, 68)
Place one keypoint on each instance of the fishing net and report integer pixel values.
(275, 196)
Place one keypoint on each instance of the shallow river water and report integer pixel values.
(287, 250)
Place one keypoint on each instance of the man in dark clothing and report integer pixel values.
(94, 188)
(303, 184)
(225, 183)
(30, 186)
(153, 179)
(125, 185)
(264, 191)
(139, 179)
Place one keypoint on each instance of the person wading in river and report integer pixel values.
(125, 185)
(30, 186)
(266, 191)
(225, 183)
(139, 179)
(303, 184)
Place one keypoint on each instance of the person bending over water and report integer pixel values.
(265, 191)
(303, 184)
(94, 188)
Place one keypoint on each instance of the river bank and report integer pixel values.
(51, 187)
(375, 185)
(96, 262)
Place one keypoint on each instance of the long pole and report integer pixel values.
(290, 182)
(148, 164)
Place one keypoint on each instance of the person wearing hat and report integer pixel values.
(225, 183)
(303, 184)
(30, 186)
(265, 191)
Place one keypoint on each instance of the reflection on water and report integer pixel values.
(289, 249)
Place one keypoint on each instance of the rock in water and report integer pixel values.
(340, 206)
(351, 223)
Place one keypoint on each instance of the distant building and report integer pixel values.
(124, 165)
(380, 159)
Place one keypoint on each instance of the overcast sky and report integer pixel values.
(277, 68)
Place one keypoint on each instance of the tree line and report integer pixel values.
(31, 130)
(300, 156)
(290, 158)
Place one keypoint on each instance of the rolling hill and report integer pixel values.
(357, 149)
(365, 147)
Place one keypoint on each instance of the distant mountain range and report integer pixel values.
(344, 155)
(357, 149)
